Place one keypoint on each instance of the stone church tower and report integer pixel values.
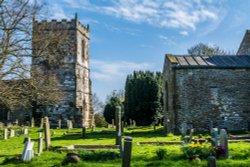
(72, 72)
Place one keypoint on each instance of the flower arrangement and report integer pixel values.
(220, 151)
(194, 150)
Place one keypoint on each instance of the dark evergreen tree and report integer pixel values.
(143, 97)
(115, 99)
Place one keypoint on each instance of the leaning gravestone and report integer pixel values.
(224, 141)
(215, 137)
(5, 134)
(28, 153)
(47, 132)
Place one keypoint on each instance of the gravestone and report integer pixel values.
(211, 161)
(83, 131)
(118, 125)
(191, 135)
(59, 124)
(41, 123)
(211, 126)
(28, 153)
(40, 144)
(5, 134)
(215, 137)
(113, 123)
(32, 122)
(134, 123)
(224, 141)
(25, 131)
(12, 133)
(47, 132)
(130, 122)
(183, 129)
(127, 151)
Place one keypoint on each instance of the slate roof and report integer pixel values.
(187, 61)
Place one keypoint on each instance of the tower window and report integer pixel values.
(83, 50)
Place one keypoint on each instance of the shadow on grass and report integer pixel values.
(99, 135)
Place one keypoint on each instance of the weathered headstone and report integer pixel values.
(122, 127)
(134, 123)
(211, 161)
(40, 144)
(113, 123)
(224, 141)
(25, 131)
(83, 131)
(118, 125)
(215, 137)
(5, 134)
(28, 153)
(41, 123)
(47, 132)
(191, 135)
(183, 129)
(130, 122)
(12, 133)
(211, 126)
(32, 122)
(59, 124)
(127, 151)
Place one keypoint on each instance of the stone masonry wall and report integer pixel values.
(218, 95)
(73, 73)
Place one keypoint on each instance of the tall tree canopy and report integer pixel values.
(143, 97)
(115, 99)
(202, 49)
(28, 89)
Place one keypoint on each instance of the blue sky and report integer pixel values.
(128, 35)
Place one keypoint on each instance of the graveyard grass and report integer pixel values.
(142, 155)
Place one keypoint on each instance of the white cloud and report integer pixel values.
(184, 33)
(110, 71)
(58, 12)
(173, 13)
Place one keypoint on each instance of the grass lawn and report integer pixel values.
(142, 155)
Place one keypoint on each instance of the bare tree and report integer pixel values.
(18, 85)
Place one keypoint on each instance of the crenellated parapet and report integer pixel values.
(63, 24)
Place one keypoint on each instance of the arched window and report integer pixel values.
(83, 50)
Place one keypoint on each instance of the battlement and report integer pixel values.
(63, 24)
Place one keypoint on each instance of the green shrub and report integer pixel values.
(161, 153)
